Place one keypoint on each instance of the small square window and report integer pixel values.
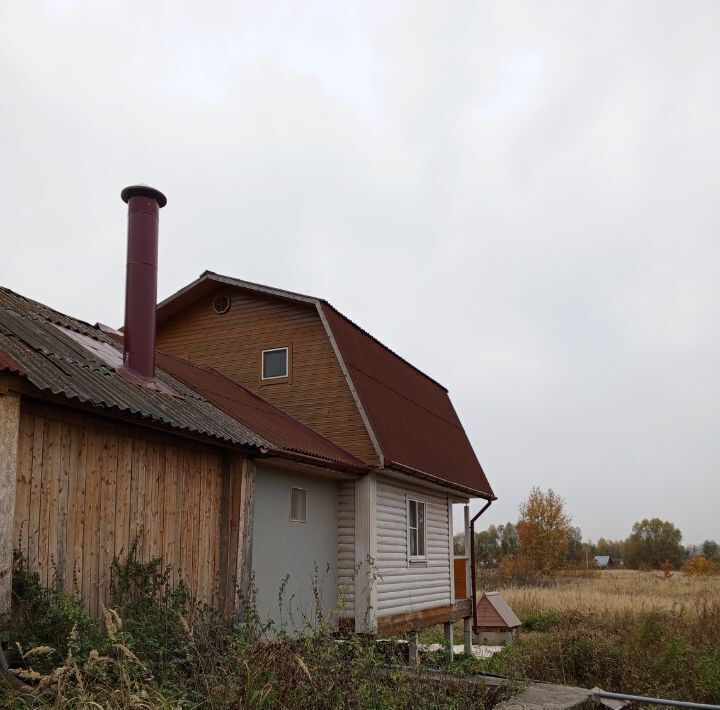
(298, 505)
(274, 363)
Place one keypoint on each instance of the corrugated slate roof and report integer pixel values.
(33, 343)
(409, 413)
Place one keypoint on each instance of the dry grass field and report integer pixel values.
(621, 630)
(617, 591)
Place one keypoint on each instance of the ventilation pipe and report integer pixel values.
(144, 205)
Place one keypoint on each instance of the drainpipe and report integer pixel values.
(472, 564)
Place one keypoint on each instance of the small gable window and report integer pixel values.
(298, 505)
(416, 529)
(274, 363)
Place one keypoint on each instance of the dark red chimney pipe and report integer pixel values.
(144, 205)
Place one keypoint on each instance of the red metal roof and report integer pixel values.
(411, 415)
(256, 413)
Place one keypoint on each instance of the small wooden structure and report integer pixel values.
(497, 622)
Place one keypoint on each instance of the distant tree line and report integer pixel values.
(544, 539)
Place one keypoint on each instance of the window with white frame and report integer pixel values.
(298, 505)
(274, 363)
(416, 529)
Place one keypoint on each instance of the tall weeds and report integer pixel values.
(672, 653)
(157, 647)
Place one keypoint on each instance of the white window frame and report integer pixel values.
(287, 364)
(304, 490)
(411, 557)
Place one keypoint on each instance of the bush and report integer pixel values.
(44, 615)
(701, 567)
(540, 620)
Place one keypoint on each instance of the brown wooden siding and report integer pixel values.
(316, 391)
(87, 488)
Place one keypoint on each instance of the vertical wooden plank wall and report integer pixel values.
(86, 490)
(9, 426)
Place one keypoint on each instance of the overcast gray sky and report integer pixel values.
(523, 199)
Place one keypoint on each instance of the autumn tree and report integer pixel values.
(576, 547)
(653, 541)
(544, 531)
(700, 566)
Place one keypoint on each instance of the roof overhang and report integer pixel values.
(407, 473)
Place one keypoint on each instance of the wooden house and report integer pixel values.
(266, 440)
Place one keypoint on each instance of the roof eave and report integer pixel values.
(440, 481)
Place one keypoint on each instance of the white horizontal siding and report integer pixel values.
(406, 587)
(346, 547)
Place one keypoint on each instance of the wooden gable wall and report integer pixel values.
(316, 392)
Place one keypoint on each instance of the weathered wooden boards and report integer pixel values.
(9, 425)
(87, 489)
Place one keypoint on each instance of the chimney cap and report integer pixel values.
(143, 190)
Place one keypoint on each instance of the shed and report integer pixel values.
(496, 622)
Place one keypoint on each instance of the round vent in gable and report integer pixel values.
(221, 304)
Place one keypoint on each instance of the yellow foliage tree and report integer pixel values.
(544, 530)
(701, 567)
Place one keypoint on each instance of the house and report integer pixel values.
(497, 623)
(95, 454)
(607, 562)
(247, 436)
(306, 357)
